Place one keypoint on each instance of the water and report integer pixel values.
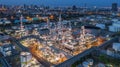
(99, 3)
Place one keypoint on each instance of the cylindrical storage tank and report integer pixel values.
(85, 64)
(90, 61)
(25, 58)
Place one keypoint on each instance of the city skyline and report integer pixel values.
(54, 3)
(59, 33)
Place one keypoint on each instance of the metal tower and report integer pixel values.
(21, 23)
(23, 32)
(21, 26)
(59, 27)
(48, 25)
(82, 35)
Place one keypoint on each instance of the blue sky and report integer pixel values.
(61, 2)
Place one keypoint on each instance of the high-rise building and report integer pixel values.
(115, 27)
(114, 7)
(74, 7)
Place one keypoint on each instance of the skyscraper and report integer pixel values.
(74, 7)
(114, 7)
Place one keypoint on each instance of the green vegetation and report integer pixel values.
(108, 61)
(116, 34)
(80, 61)
(76, 63)
(0, 65)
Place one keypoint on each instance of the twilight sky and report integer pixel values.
(98, 3)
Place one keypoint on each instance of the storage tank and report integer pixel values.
(1, 22)
(7, 22)
(25, 58)
(85, 64)
(90, 61)
(116, 46)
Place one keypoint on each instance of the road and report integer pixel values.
(19, 44)
(4, 62)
